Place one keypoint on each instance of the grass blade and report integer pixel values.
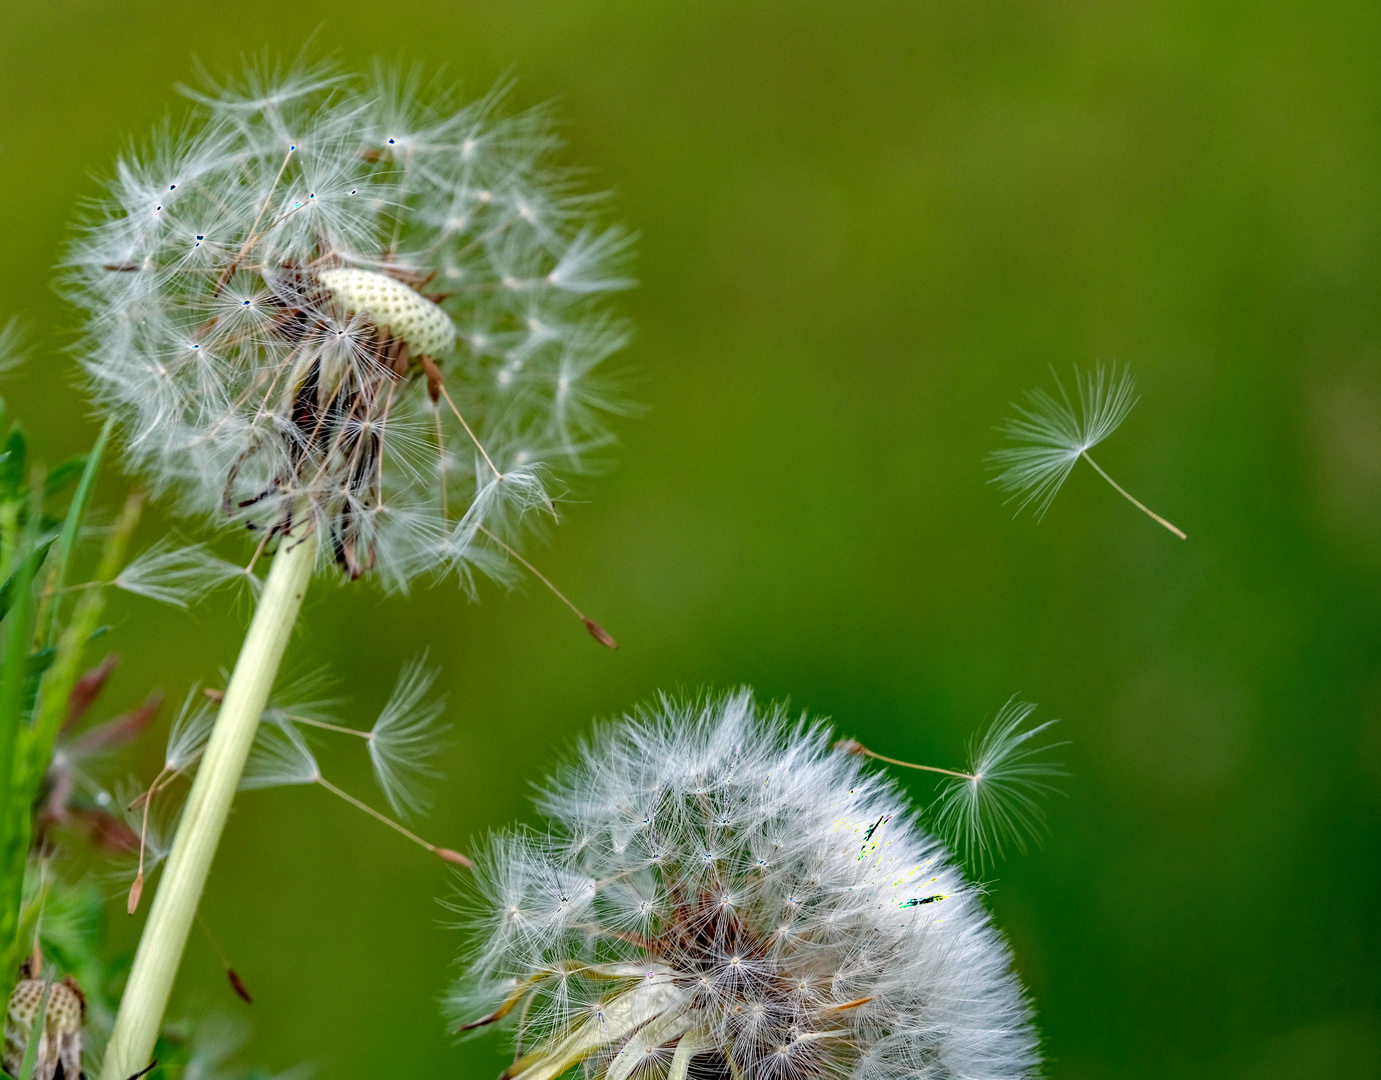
(71, 526)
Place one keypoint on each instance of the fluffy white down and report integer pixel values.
(720, 896)
(251, 274)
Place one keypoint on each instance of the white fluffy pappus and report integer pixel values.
(1054, 434)
(719, 895)
(354, 301)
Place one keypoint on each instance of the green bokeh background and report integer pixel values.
(865, 228)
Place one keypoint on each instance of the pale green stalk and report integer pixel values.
(208, 804)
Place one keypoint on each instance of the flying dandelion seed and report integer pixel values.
(718, 895)
(1059, 433)
(995, 803)
(405, 738)
(327, 302)
(281, 757)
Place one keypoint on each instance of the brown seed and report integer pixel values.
(237, 984)
(453, 857)
(600, 634)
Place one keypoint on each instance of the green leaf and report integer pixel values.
(16, 634)
(25, 571)
(67, 540)
(26, 1070)
(63, 474)
(13, 466)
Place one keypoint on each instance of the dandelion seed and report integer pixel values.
(153, 824)
(273, 295)
(188, 734)
(1059, 434)
(180, 575)
(12, 350)
(697, 907)
(281, 757)
(996, 802)
(232, 976)
(402, 742)
(406, 737)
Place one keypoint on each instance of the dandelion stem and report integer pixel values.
(208, 805)
(1128, 496)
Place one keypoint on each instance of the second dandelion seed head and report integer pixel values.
(355, 306)
(718, 894)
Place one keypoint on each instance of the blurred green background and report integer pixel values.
(865, 228)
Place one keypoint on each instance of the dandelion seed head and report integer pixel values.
(274, 291)
(707, 901)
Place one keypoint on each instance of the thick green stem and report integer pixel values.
(203, 818)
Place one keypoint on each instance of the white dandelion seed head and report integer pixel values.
(1056, 431)
(293, 298)
(720, 895)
